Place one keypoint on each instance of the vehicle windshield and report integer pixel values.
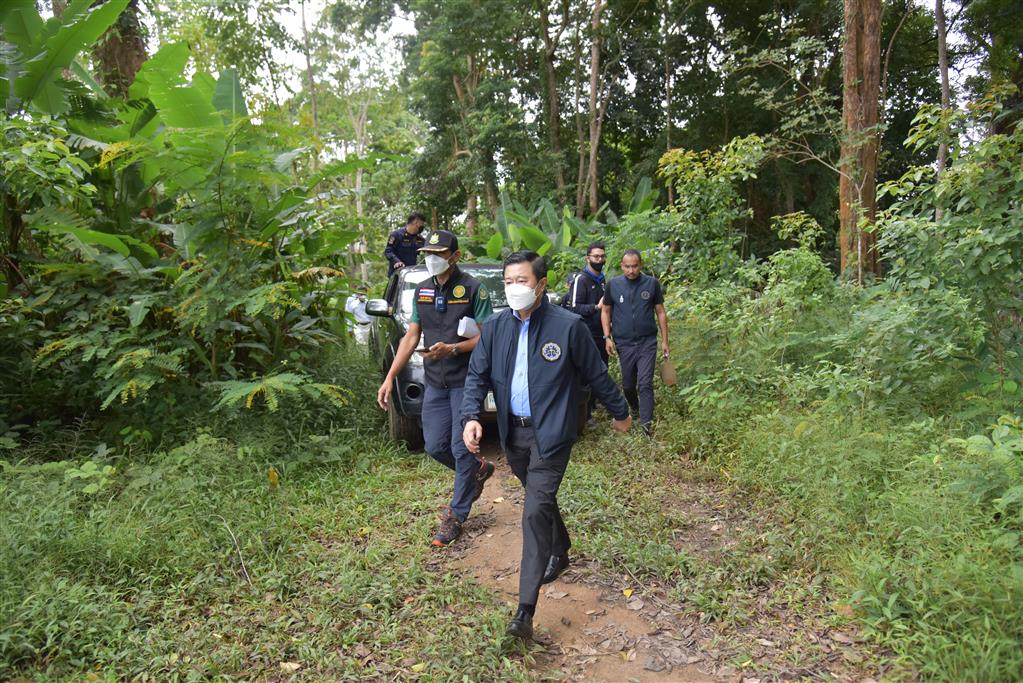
(491, 276)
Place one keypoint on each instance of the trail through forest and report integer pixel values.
(596, 625)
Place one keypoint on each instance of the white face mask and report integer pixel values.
(436, 265)
(520, 297)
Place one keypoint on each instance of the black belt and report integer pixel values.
(521, 421)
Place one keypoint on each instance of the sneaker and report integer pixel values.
(450, 529)
(485, 472)
(648, 428)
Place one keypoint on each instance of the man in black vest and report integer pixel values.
(585, 292)
(441, 302)
(534, 357)
(404, 243)
(632, 301)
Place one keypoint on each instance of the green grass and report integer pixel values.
(933, 572)
(625, 498)
(186, 563)
(189, 565)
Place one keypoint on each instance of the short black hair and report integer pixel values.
(633, 252)
(532, 258)
(595, 245)
(415, 216)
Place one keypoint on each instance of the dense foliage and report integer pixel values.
(174, 259)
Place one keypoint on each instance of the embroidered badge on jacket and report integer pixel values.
(550, 352)
(645, 295)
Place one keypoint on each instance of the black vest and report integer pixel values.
(459, 293)
(632, 308)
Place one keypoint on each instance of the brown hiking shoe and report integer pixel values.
(485, 472)
(450, 529)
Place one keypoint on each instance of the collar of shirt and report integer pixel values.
(599, 277)
(520, 373)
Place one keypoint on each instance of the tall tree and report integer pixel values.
(550, 47)
(994, 31)
(310, 84)
(596, 108)
(857, 189)
(946, 97)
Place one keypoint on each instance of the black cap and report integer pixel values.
(440, 240)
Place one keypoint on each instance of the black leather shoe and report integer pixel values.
(521, 625)
(555, 565)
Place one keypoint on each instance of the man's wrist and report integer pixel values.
(470, 418)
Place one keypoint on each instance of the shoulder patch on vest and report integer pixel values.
(482, 292)
(390, 240)
(550, 352)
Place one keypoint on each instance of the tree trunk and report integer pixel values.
(311, 82)
(580, 179)
(595, 114)
(490, 195)
(120, 52)
(946, 96)
(359, 119)
(857, 190)
(471, 220)
(550, 46)
(667, 94)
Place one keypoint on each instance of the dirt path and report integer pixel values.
(586, 629)
(594, 626)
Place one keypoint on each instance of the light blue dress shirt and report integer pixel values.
(520, 377)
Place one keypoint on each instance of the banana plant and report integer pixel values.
(548, 232)
(36, 51)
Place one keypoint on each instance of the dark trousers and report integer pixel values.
(637, 361)
(543, 531)
(442, 435)
(602, 348)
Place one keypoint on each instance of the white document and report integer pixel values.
(467, 328)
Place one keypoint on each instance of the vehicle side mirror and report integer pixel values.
(378, 307)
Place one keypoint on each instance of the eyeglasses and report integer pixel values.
(596, 258)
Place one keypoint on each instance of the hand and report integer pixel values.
(472, 434)
(609, 346)
(437, 351)
(622, 425)
(384, 394)
(664, 349)
(398, 265)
